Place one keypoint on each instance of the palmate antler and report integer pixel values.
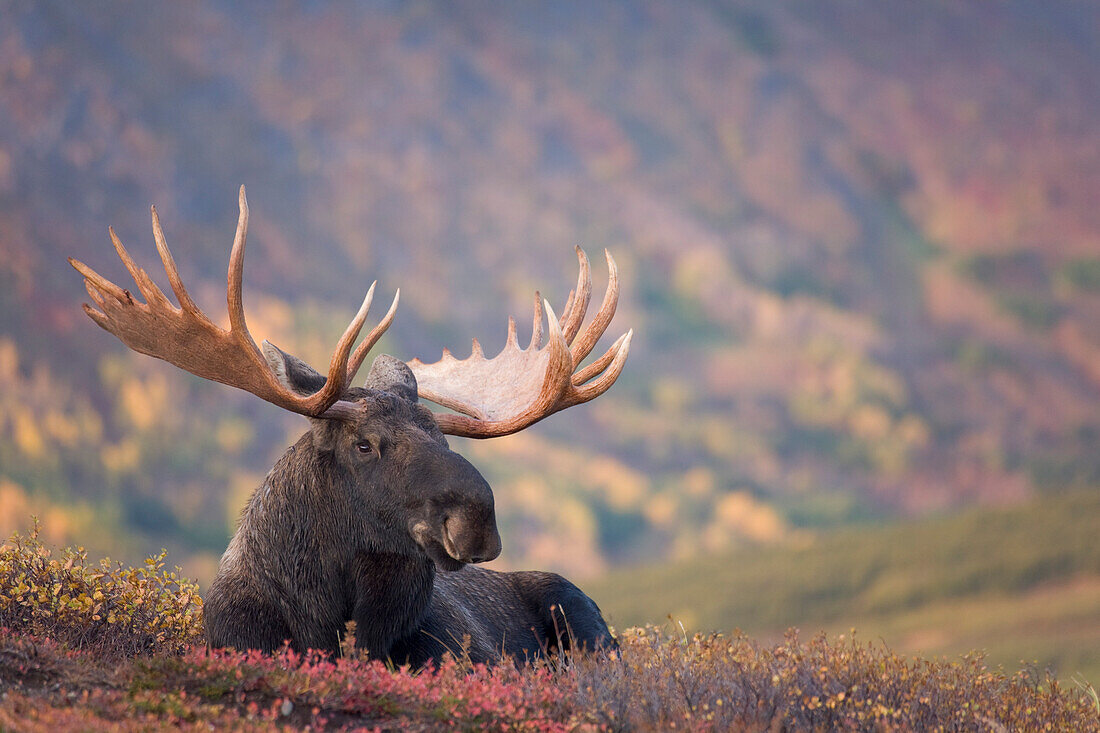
(519, 387)
(187, 338)
(497, 396)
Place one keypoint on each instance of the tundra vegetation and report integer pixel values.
(99, 646)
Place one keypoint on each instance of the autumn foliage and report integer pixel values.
(105, 609)
(110, 647)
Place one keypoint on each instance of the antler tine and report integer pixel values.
(597, 367)
(94, 295)
(145, 284)
(510, 339)
(583, 345)
(372, 338)
(475, 424)
(568, 304)
(234, 300)
(317, 403)
(338, 375)
(98, 297)
(577, 304)
(594, 389)
(352, 366)
(184, 298)
(536, 325)
(93, 279)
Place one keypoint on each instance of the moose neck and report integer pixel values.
(343, 553)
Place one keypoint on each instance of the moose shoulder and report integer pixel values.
(370, 516)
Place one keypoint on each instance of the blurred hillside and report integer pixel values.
(859, 243)
(1021, 584)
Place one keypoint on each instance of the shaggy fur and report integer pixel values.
(376, 521)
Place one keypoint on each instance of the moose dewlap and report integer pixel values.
(359, 516)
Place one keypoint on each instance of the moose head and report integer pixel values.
(354, 520)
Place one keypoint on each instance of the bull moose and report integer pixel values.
(359, 516)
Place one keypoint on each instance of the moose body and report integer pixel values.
(382, 538)
(370, 517)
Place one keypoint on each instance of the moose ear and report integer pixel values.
(390, 374)
(291, 371)
(295, 374)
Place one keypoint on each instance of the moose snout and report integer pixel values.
(456, 524)
(470, 541)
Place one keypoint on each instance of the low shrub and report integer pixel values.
(107, 647)
(719, 682)
(657, 682)
(105, 608)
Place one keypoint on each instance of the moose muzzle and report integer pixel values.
(471, 541)
(459, 525)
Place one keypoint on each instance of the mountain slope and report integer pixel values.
(1022, 584)
(858, 249)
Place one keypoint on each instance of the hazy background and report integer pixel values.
(859, 246)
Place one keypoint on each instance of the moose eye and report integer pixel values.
(364, 446)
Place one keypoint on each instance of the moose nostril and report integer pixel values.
(449, 543)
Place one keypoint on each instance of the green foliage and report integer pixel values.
(1038, 312)
(825, 508)
(1083, 274)
(1020, 283)
(801, 279)
(980, 358)
(680, 316)
(1016, 270)
(883, 574)
(108, 609)
(1059, 470)
(753, 29)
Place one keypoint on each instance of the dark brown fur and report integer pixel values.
(336, 534)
